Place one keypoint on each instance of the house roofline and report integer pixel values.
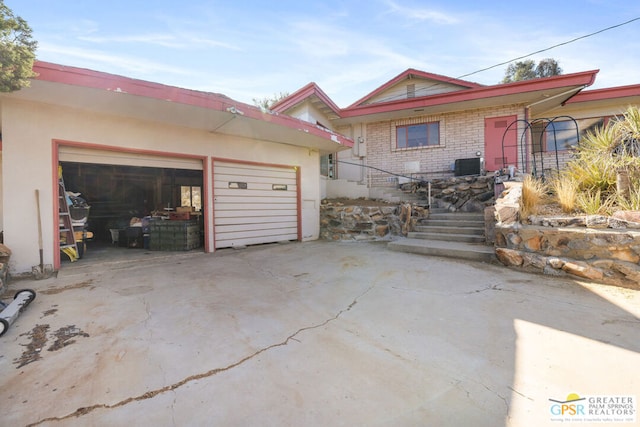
(415, 73)
(606, 93)
(302, 94)
(582, 79)
(82, 77)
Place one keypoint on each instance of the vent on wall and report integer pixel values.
(472, 166)
(411, 91)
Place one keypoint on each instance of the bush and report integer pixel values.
(565, 192)
(533, 194)
(598, 160)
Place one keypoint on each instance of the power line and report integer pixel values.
(391, 98)
(553, 47)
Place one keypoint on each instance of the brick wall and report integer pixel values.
(461, 136)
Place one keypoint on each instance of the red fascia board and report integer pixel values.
(585, 78)
(606, 93)
(303, 93)
(413, 72)
(74, 76)
(293, 99)
(56, 73)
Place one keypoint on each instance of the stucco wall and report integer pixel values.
(29, 128)
(461, 136)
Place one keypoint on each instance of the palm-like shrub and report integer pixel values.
(601, 158)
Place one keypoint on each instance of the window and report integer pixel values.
(191, 196)
(561, 135)
(327, 166)
(421, 135)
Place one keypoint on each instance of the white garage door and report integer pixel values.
(254, 204)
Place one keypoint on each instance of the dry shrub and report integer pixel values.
(565, 191)
(533, 195)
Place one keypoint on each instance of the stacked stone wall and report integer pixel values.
(366, 222)
(597, 248)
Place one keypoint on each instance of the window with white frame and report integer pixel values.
(418, 135)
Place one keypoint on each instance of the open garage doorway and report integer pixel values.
(136, 207)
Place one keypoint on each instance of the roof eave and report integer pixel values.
(298, 132)
(617, 92)
(578, 80)
(413, 72)
(302, 95)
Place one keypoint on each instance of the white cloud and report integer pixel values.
(173, 41)
(102, 61)
(421, 14)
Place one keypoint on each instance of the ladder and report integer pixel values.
(68, 244)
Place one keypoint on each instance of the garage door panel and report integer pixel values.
(226, 192)
(256, 186)
(253, 241)
(224, 172)
(291, 213)
(223, 179)
(252, 205)
(276, 235)
(125, 158)
(221, 220)
(248, 209)
(267, 227)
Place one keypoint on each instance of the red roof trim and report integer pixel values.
(578, 79)
(417, 73)
(56, 73)
(607, 93)
(302, 94)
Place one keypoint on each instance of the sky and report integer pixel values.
(257, 49)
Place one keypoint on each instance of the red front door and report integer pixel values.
(500, 149)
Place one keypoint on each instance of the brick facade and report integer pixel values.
(461, 136)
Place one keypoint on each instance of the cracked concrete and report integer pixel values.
(312, 334)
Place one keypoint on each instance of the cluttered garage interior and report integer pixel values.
(133, 207)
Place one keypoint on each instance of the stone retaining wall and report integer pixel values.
(367, 221)
(597, 248)
(463, 193)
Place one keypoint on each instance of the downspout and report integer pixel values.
(527, 142)
(361, 140)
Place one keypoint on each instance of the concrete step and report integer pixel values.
(449, 230)
(437, 209)
(472, 216)
(458, 250)
(395, 195)
(468, 238)
(451, 223)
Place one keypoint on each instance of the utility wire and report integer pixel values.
(391, 98)
(553, 47)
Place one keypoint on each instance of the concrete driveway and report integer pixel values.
(311, 334)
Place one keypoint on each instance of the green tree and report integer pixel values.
(267, 102)
(548, 67)
(527, 70)
(17, 51)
